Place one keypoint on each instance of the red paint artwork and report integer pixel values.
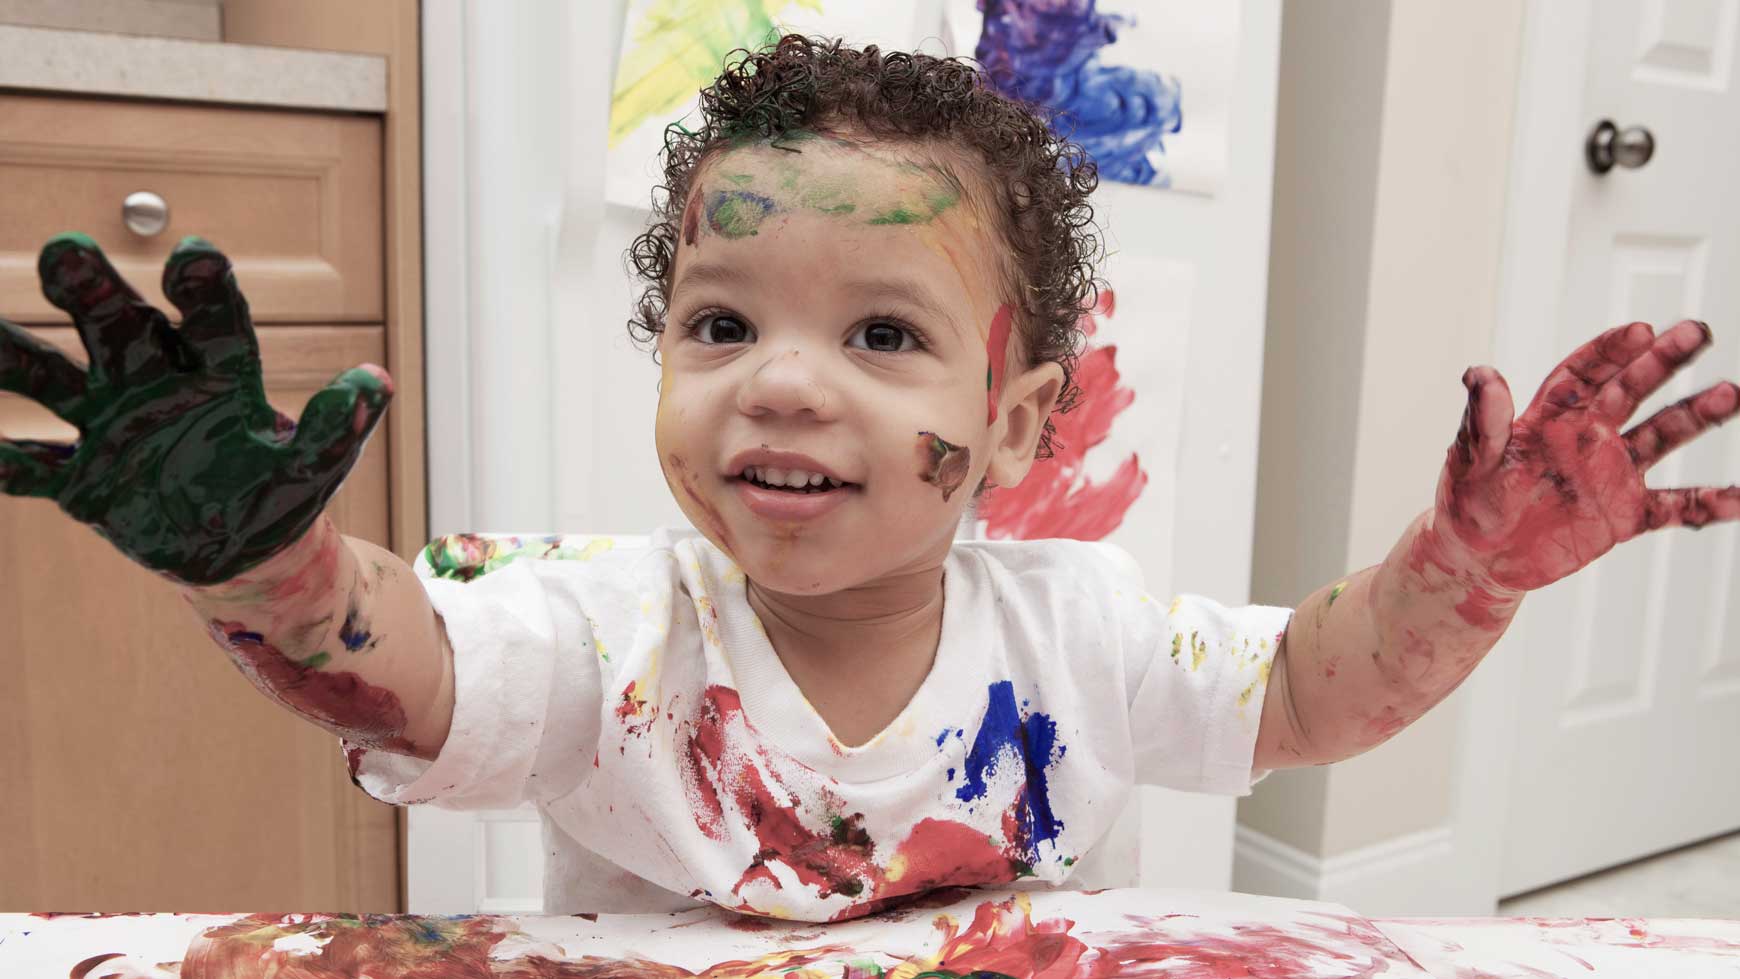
(1058, 498)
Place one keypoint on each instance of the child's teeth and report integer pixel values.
(773, 477)
(816, 479)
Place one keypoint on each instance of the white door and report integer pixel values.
(1630, 689)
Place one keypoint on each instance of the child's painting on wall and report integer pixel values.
(671, 49)
(1112, 475)
(1143, 86)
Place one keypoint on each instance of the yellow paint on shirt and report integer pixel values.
(1245, 698)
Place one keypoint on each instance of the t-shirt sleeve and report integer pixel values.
(526, 695)
(1198, 672)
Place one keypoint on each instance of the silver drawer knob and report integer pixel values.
(1609, 146)
(145, 213)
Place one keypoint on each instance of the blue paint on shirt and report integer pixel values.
(1004, 736)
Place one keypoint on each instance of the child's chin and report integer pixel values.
(789, 578)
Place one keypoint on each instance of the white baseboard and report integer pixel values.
(1416, 874)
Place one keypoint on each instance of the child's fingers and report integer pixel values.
(337, 421)
(124, 336)
(199, 280)
(36, 370)
(1680, 422)
(1644, 376)
(1486, 421)
(1577, 379)
(29, 468)
(1690, 507)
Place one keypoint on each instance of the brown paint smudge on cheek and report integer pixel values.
(339, 700)
(997, 346)
(942, 464)
(714, 519)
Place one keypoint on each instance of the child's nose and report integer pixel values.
(785, 383)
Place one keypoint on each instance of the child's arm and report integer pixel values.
(341, 632)
(1519, 505)
(185, 468)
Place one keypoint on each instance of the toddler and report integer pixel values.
(863, 281)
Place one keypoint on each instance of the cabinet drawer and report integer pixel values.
(293, 198)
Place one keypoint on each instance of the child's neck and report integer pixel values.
(860, 654)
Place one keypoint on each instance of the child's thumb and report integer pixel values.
(336, 423)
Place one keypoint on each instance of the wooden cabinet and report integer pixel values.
(138, 768)
(293, 198)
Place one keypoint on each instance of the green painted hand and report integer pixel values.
(180, 463)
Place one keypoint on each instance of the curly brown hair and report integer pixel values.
(1038, 183)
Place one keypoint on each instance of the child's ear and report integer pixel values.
(1027, 402)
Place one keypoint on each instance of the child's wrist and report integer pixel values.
(309, 567)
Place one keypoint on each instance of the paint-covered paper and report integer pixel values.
(1570, 948)
(1054, 935)
(1144, 85)
(1113, 475)
(671, 49)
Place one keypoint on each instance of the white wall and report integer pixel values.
(1403, 207)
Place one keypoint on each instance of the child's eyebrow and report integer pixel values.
(712, 274)
(900, 290)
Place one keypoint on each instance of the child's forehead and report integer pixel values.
(807, 160)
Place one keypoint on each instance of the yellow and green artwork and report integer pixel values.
(671, 49)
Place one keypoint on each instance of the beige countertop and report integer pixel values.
(89, 63)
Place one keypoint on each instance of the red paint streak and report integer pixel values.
(1346, 946)
(692, 218)
(1329, 665)
(834, 862)
(998, 349)
(834, 859)
(1003, 939)
(353, 757)
(1058, 499)
(338, 700)
(940, 852)
(1477, 609)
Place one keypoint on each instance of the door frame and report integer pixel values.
(1545, 148)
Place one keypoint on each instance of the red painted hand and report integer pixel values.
(1533, 500)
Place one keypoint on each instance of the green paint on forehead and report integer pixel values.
(805, 171)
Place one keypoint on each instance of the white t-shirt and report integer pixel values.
(633, 696)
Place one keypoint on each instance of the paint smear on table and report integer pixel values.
(960, 934)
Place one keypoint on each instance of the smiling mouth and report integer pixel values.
(794, 481)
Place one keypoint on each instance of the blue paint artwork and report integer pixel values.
(1006, 737)
(1048, 52)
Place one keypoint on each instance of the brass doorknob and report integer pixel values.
(1609, 146)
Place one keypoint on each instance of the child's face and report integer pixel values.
(835, 310)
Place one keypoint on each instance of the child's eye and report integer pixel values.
(722, 328)
(885, 337)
